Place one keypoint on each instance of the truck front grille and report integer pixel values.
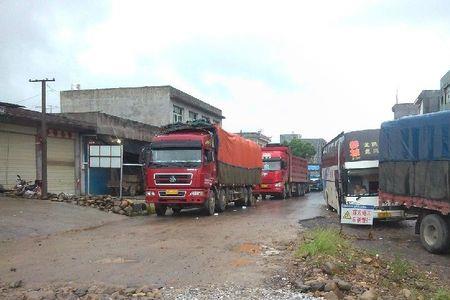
(173, 179)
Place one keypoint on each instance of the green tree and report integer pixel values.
(301, 148)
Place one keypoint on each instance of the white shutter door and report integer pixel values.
(17, 157)
(61, 165)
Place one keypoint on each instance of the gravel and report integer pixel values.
(233, 292)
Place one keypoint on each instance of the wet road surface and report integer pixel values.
(186, 249)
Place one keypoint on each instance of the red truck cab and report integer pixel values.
(181, 170)
(274, 173)
(283, 174)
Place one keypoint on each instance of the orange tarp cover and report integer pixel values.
(238, 151)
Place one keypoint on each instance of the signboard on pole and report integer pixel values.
(357, 214)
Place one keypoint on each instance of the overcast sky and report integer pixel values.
(311, 67)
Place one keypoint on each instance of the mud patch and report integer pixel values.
(240, 262)
(249, 248)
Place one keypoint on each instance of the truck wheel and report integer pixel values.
(221, 202)
(288, 191)
(210, 204)
(251, 201)
(176, 210)
(160, 210)
(435, 233)
(301, 190)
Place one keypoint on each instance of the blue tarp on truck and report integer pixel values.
(416, 138)
(415, 156)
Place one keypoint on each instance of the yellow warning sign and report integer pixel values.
(347, 215)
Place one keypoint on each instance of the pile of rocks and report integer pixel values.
(323, 282)
(66, 291)
(106, 203)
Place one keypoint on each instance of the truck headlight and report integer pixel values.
(196, 193)
(278, 184)
(150, 193)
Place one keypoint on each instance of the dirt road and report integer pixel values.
(187, 249)
(47, 243)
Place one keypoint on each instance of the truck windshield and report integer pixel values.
(273, 165)
(362, 182)
(176, 156)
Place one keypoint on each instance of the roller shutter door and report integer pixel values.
(61, 165)
(17, 157)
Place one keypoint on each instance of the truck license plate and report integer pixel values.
(171, 192)
(384, 214)
(264, 186)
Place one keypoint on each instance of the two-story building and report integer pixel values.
(153, 105)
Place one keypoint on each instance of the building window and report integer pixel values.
(206, 118)
(193, 115)
(177, 114)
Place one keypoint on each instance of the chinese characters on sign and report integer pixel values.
(354, 150)
(369, 148)
(357, 214)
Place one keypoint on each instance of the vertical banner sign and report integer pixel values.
(357, 214)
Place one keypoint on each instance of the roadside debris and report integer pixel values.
(326, 264)
(106, 203)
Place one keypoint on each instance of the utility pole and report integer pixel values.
(43, 136)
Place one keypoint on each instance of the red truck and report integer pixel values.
(200, 165)
(283, 174)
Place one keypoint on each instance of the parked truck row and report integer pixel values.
(201, 165)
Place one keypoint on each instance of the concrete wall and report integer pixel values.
(429, 101)
(144, 104)
(445, 89)
(405, 109)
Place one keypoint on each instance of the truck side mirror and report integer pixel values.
(209, 155)
(145, 155)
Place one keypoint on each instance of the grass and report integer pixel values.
(400, 269)
(322, 242)
(151, 209)
(442, 294)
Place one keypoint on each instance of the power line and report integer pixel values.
(23, 100)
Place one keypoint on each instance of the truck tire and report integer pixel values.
(176, 210)
(210, 204)
(288, 191)
(301, 190)
(251, 201)
(221, 202)
(435, 233)
(160, 210)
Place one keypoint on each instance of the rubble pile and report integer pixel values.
(352, 273)
(106, 203)
(17, 290)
